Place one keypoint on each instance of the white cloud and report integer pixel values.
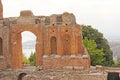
(28, 36)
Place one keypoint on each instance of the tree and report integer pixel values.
(32, 59)
(118, 61)
(102, 43)
(97, 55)
(25, 60)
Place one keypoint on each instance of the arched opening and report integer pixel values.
(21, 75)
(28, 48)
(53, 45)
(1, 47)
(66, 45)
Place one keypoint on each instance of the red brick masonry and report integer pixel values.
(58, 35)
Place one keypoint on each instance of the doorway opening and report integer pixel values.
(53, 45)
(28, 48)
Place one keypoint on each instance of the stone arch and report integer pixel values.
(27, 37)
(21, 75)
(53, 42)
(19, 44)
(67, 45)
(16, 45)
(1, 47)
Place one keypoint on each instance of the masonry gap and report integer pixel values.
(28, 46)
(53, 45)
(66, 30)
(53, 24)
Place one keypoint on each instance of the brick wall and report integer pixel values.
(61, 62)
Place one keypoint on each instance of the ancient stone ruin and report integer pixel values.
(59, 41)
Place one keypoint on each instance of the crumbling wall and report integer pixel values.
(61, 28)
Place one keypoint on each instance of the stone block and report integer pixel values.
(78, 68)
(45, 56)
(73, 56)
(99, 68)
(68, 67)
(57, 56)
(85, 56)
(26, 13)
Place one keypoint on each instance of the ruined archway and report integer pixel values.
(28, 46)
(16, 44)
(18, 48)
(53, 45)
(1, 47)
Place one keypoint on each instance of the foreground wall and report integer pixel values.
(52, 75)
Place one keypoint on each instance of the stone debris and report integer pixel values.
(74, 73)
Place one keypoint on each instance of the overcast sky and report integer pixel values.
(103, 15)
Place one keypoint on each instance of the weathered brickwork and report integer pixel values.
(59, 40)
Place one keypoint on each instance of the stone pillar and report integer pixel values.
(1, 10)
(79, 43)
(59, 42)
(39, 51)
(73, 45)
(6, 45)
(46, 42)
(16, 51)
(19, 51)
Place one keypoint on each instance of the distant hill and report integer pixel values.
(115, 47)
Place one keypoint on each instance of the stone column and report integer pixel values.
(73, 47)
(59, 42)
(39, 50)
(19, 54)
(1, 10)
(16, 51)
